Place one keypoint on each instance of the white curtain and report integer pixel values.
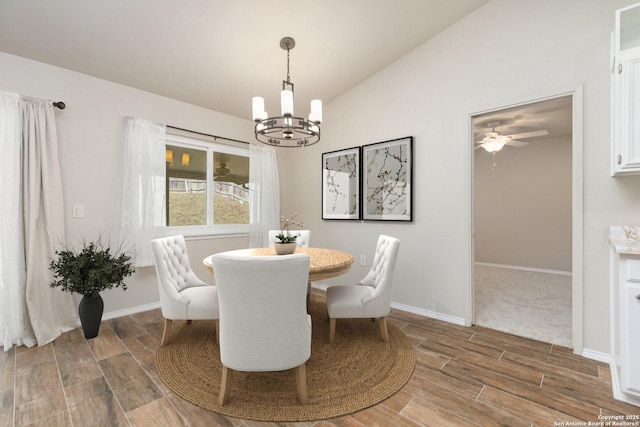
(265, 197)
(32, 225)
(143, 188)
(15, 327)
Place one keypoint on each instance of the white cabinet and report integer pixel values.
(630, 324)
(625, 149)
(625, 312)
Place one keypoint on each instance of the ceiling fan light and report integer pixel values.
(222, 170)
(493, 145)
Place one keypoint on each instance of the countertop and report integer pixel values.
(625, 239)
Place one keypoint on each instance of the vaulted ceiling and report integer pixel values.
(220, 53)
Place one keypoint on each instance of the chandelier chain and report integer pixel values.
(288, 77)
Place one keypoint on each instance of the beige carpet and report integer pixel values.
(525, 303)
(357, 371)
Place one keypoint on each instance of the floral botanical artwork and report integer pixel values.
(341, 184)
(387, 180)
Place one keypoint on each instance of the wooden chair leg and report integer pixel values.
(332, 330)
(383, 329)
(301, 384)
(224, 386)
(217, 321)
(166, 332)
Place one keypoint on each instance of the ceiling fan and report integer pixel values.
(493, 141)
(221, 171)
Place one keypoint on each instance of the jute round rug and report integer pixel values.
(357, 371)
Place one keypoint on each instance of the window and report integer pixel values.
(207, 185)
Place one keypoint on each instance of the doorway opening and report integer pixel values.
(524, 210)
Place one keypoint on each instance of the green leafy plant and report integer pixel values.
(286, 238)
(90, 270)
(285, 223)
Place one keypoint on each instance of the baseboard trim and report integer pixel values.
(522, 268)
(319, 285)
(428, 313)
(617, 391)
(411, 309)
(597, 355)
(131, 310)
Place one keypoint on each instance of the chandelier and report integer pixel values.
(287, 130)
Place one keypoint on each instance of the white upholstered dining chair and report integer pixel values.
(371, 298)
(303, 237)
(264, 325)
(183, 296)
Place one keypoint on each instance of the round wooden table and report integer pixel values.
(323, 263)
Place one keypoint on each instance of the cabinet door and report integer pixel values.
(630, 339)
(627, 32)
(627, 113)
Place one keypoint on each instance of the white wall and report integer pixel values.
(90, 135)
(538, 48)
(522, 207)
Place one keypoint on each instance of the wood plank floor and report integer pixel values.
(463, 377)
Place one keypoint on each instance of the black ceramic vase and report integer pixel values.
(90, 311)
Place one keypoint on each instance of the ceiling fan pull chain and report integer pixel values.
(493, 167)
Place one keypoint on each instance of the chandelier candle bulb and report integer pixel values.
(315, 115)
(286, 100)
(257, 104)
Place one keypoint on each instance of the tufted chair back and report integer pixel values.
(380, 277)
(303, 237)
(371, 297)
(173, 263)
(183, 296)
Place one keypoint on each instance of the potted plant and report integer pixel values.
(89, 271)
(286, 243)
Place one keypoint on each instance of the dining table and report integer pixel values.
(323, 263)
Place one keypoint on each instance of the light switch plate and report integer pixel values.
(78, 211)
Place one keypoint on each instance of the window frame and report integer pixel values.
(211, 146)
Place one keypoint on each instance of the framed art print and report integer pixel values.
(387, 180)
(341, 184)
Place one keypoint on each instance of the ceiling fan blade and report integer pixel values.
(529, 134)
(478, 146)
(516, 143)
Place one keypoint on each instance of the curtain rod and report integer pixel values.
(207, 134)
(59, 104)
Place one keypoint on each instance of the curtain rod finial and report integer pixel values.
(61, 105)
